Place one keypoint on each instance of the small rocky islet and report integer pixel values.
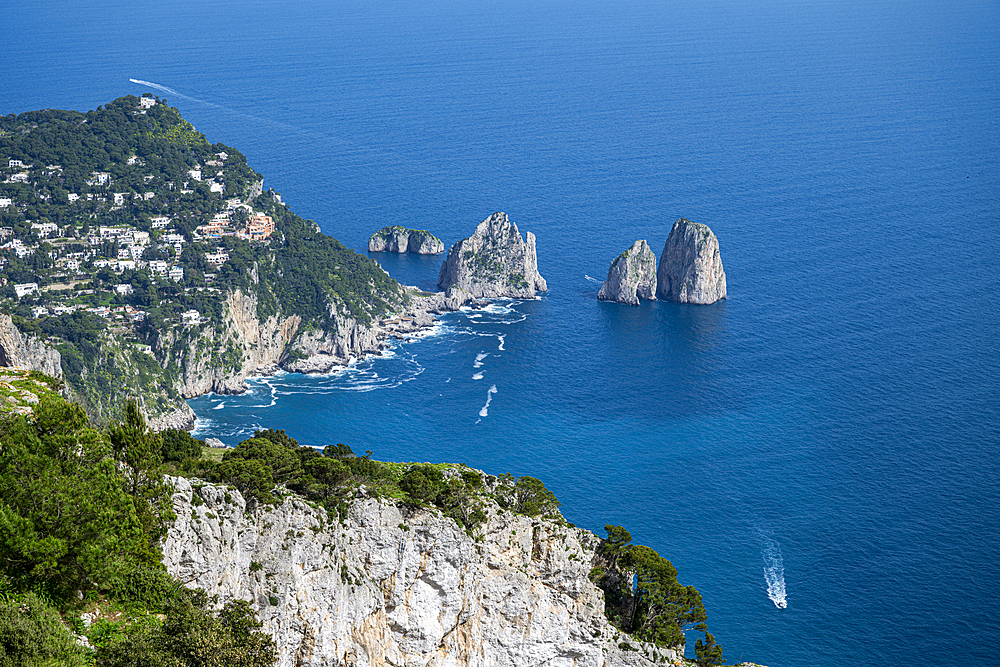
(396, 238)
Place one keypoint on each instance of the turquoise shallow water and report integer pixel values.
(830, 427)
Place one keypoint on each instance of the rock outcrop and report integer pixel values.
(494, 262)
(396, 585)
(400, 239)
(18, 350)
(690, 265)
(632, 276)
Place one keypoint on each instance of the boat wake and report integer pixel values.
(774, 570)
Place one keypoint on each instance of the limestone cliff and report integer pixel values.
(394, 585)
(399, 239)
(494, 262)
(20, 350)
(690, 265)
(632, 276)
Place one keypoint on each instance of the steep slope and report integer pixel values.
(394, 585)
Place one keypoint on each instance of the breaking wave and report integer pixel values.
(489, 398)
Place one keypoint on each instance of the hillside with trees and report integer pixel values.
(123, 232)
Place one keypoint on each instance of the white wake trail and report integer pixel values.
(774, 570)
(156, 86)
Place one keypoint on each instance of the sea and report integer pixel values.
(819, 454)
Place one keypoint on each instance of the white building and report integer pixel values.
(159, 222)
(216, 258)
(190, 317)
(5, 202)
(176, 274)
(25, 289)
(124, 289)
(146, 102)
(44, 229)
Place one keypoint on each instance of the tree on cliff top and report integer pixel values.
(645, 599)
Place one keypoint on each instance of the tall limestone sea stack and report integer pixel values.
(493, 262)
(400, 239)
(690, 265)
(632, 276)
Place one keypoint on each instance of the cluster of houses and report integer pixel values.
(72, 265)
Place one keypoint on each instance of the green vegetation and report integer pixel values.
(120, 169)
(645, 600)
(82, 512)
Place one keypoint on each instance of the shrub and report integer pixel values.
(32, 635)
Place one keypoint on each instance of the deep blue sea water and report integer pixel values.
(833, 422)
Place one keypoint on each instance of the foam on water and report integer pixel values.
(489, 398)
(479, 360)
(477, 376)
(774, 569)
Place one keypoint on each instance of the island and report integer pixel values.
(690, 265)
(631, 276)
(400, 239)
(494, 262)
(147, 262)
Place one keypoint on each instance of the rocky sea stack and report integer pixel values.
(400, 239)
(690, 265)
(632, 276)
(493, 262)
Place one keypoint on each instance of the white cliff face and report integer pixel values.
(395, 586)
(399, 239)
(690, 265)
(632, 276)
(221, 360)
(23, 351)
(494, 262)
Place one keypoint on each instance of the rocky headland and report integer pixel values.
(632, 276)
(400, 239)
(690, 266)
(494, 262)
(393, 584)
